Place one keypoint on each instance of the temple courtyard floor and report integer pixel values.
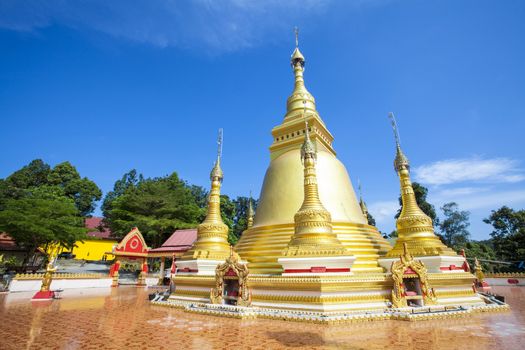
(122, 318)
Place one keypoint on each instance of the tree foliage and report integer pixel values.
(483, 251)
(454, 227)
(40, 205)
(370, 219)
(508, 234)
(63, 180)
(41, 219)
(157, 206)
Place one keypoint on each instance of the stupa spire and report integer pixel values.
(313, 235)
(414, 227)
(362, 203)
(212, 233)
(250, 213)
(300, 93)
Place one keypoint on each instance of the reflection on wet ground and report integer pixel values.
(123, 318)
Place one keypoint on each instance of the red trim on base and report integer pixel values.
(452, 268)
(187, 269)
(317, 269)
(44, 295)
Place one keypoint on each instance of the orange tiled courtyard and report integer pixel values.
(122, 318)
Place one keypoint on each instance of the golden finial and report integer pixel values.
(401, 161)
(297, 56)
(217, 171)
(250, 211)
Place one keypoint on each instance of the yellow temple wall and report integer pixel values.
(91, 249)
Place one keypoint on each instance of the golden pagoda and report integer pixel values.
(308, 252)
(211, 246)
(282, 190)
(250, 212)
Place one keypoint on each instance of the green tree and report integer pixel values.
(454, 227)
(508, 234)
(40, 219)
(420, 193)
(481, 250)
(241, 216)
(129, 179)
(63, 176)
(370, 218)
(82, 190)
(157, 206)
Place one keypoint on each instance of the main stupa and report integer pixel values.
(309, 252)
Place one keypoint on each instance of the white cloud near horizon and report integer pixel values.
(221, 26)
(383, 211)
(451, 171)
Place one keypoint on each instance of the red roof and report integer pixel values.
(179, 241)
(98, 229)
(7, 242)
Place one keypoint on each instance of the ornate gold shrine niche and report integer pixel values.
(231, 283)
(411, 286)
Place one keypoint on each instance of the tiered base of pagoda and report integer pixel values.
(333, 317)
(262, 246)
(319, 293)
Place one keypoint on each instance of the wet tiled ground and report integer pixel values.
(123, 319)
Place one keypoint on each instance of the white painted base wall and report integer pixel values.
(500, 281)
(34, 285)
(432, 263)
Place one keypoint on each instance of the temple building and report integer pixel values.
(308, 252)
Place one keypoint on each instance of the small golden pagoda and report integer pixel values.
(211, 246)
(447, 270)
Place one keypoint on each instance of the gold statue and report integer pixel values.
(50, 270)
(478, 271)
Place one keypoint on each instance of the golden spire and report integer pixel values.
(212, 233)
(313, 234)
(414, 227)
(362, 203)
(300, 94)
(250, 213)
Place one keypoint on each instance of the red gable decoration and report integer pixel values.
(132, 245)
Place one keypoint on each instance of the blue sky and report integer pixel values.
(116, 85)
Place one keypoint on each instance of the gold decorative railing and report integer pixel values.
(505, 275)
(58, 276)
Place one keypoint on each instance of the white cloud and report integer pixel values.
(384, 211)
(469, 169)
(223, 25)
(491, 200)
